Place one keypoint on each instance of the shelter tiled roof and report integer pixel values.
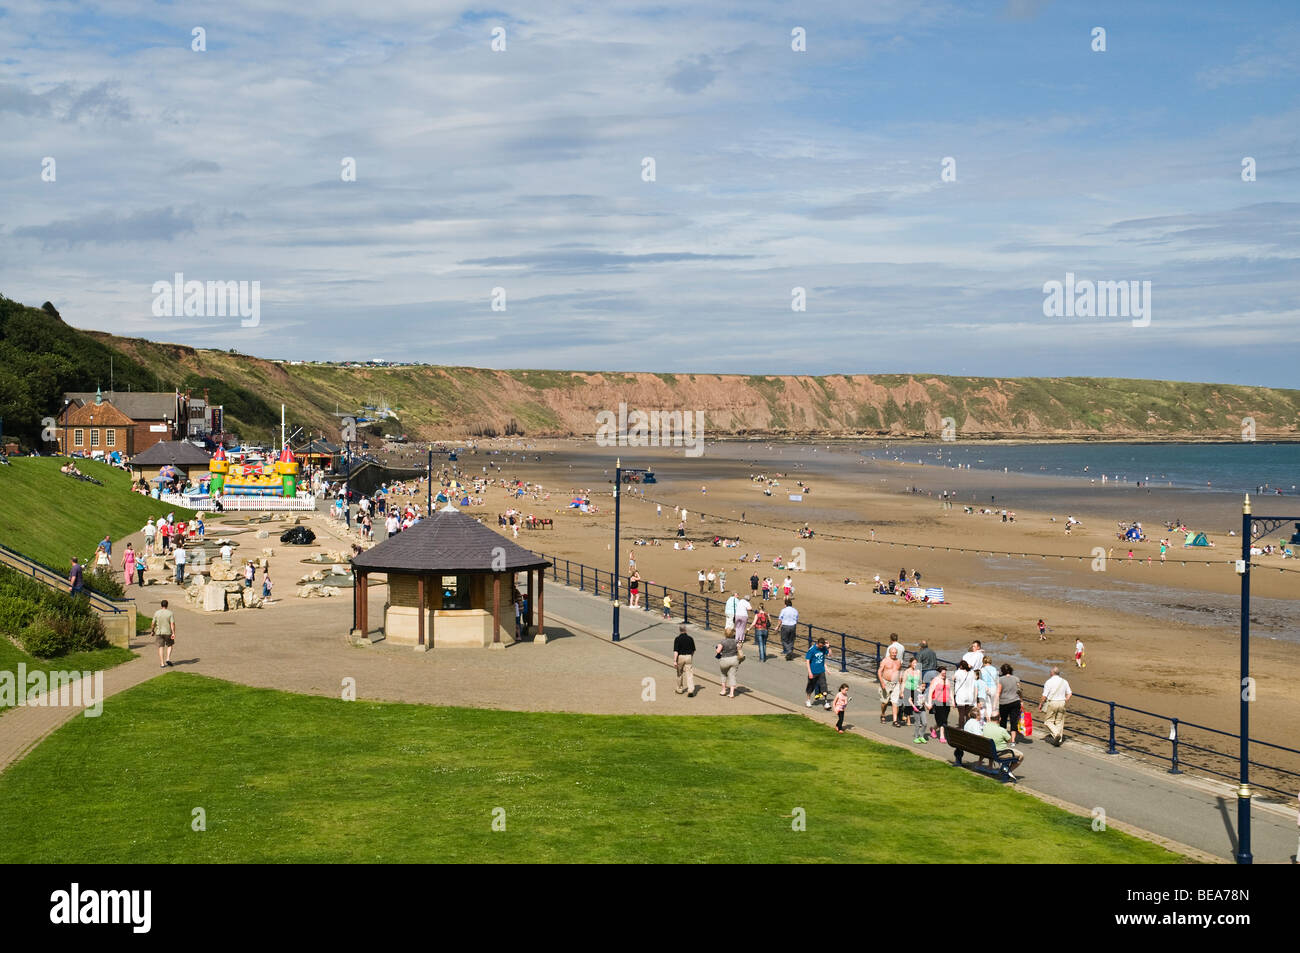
(448, 542)
(177, 453)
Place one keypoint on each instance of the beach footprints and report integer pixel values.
(1098, 559)
(1248, 429)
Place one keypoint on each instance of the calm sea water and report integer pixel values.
(1237, 467)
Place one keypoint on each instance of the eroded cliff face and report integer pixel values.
(452, 402)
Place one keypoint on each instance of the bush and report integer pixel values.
(40, 639)
(16, 614)
(104, 584)
(50, 636)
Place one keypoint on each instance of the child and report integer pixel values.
(1042, 631)
(916, 702)
(841, 702)
(668, 605)
(1078, 654)
(266, 583)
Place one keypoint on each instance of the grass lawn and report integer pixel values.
(303, 779)
(11, 655)
(50, 517)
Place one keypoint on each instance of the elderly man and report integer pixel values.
(888, 675)
(1056, 692)
(683, 659)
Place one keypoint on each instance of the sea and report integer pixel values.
(1254, 467)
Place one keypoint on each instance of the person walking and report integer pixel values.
(634, 589)
(668, 605)
(753, 586)
(761, 626)
(180, 563)
(728, 661)
(1056, 692)
(841, 702)
(128, 565)
(684, 662)
(789, 619)
(701, 582)
(1042, 631)
(815, 664)
(1078, 654)
(713, 578)
(914, 696)
(164, 536)
(226, 552)
(249, 572)
(938, 699)
(964, 690)
(929, 662)
(1009, 701)
(163, 629)
(76, 578)
(887, 675)
(266, 582)
(150, 531)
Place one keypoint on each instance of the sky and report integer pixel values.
(502, 212)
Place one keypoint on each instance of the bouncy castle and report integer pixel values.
(253, 479)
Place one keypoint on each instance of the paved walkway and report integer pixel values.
(302, 646)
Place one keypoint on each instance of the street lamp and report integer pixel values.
(1249, 533)
(67, 451)
(428, 496)
(619, 470)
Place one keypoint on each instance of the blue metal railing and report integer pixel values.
(57, 580)
(863, 656)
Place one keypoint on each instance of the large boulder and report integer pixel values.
(298, 536)
(214, 597)
(252, 600)
(221, 572)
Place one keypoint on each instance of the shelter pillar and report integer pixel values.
(532, 604)
(421, 644)
(540, 638)
(496, 611)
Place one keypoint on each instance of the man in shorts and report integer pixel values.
(888, 675)
(164, 634)
(1078, 654)
(815, 663)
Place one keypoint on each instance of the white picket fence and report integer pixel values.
(236, 504)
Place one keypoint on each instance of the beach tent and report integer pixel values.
(441, 498)
(1133, 533)
(465, 501)
(1196, 539)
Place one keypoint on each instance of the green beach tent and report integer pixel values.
(1196, 539)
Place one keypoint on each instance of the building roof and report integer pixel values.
(138, 405)
(321, 447)
(177, 453)
(448, 542)
(96, 415)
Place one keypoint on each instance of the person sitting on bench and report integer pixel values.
(1006, 753)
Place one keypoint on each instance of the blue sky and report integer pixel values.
(775, 169)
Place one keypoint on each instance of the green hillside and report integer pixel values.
(46, 356)
(50, 517)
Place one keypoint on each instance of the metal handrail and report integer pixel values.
(864, 655)
(57, 580)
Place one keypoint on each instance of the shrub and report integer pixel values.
(16, 613)
(49, 636)
(40, 639)
(104, 584)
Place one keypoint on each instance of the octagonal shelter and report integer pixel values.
(449, 584)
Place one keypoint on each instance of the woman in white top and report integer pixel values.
(963, 688)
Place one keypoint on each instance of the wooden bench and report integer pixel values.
(964, 741)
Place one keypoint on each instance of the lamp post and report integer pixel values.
(619, 470)
(67, 451)
(428, 496)
(1249, 534)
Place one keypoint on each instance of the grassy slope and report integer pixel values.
(50, 517)
(303, 779)
(450, 400)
